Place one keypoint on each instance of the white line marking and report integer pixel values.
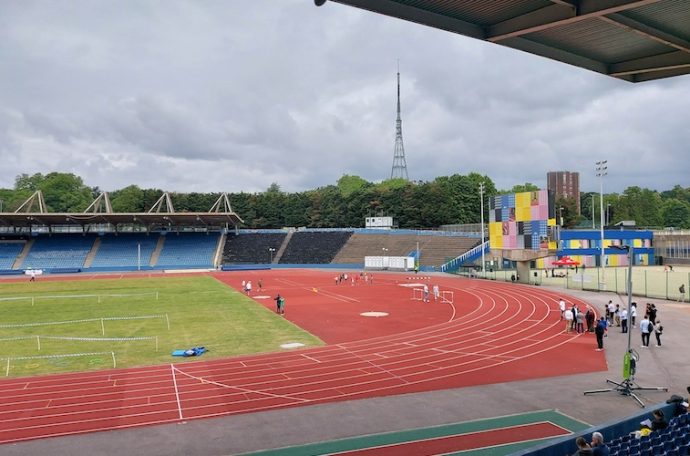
(177, 392)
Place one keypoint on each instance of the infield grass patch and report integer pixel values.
(200, 311)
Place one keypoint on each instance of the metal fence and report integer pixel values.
(649, 282)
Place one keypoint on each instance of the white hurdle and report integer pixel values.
(447, 297)
(418, 294)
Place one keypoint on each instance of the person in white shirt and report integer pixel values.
(645, 330)
(624, 320)
(561, 306)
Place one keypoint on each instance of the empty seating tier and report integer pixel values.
(314, 247)
(251, 248)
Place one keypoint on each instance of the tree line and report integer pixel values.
(420, 205)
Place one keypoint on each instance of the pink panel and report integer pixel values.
(534, 213)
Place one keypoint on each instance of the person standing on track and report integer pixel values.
(599, 332)
(437, 293)
(624, 320)
(645, 329)
(277, 300)
(426, 293)
(561, 307)
(658, 329)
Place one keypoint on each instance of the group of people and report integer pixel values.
(425, 293)
(247, 286)
(355, 279)
(613, 315)
(597, 446)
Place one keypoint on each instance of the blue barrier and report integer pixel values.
(11, 272)
(62, 270)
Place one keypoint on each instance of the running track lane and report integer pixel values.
(502, 327)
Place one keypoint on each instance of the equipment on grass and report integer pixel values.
(194, 351)
(418, 294)
(447, 297)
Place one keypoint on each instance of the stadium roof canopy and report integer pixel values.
(632, 40)
(33, 213)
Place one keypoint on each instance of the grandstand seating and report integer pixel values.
(251, 248)
(122, 251)
(59, 251)
(187, 250)
(434, 250)
(314, 247)
(674, 440)
(9, 252)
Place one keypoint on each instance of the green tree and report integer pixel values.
(349, 184)
(128, 199)
(676, 213)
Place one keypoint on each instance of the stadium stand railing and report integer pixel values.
(467, 257)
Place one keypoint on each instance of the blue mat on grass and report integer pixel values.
(194, 351)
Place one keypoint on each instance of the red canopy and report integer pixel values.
(566, 261)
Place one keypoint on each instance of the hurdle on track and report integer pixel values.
(418, 294)
(447, 297)
(68, 355)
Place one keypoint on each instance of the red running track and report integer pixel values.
(494, 332)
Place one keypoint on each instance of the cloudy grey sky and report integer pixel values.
(232, 95)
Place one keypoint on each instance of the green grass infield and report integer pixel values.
(49, 327)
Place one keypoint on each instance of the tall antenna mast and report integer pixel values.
(399, 170)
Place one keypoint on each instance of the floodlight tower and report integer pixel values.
(399, 169)
(481, 217)
(601, 172)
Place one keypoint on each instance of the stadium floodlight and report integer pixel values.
(601, 169)
(270, 251)
(630, 359)
(481, 218)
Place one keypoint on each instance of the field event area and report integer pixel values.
(66, 326)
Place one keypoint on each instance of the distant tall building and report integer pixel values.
(564, 184)
(399, 169)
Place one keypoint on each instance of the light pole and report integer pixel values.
(601, 172)
(593, 224)
(270, 251)
(481, 218)
(608, 213)
(628, 386)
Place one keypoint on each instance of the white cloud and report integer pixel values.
(211, 96)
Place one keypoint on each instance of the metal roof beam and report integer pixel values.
(560, 55)
(647, 31)
(395, 9)
(671, 61)
(557, 15)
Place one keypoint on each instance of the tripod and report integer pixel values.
(628, 386)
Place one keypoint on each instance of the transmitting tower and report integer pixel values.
(399, 170)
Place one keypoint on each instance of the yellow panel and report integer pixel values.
(613, 260)
(552, 222)
(495, 229)
(637, 242)
(553, 245)
(522, 200)
(496, 242)
(523, 214)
